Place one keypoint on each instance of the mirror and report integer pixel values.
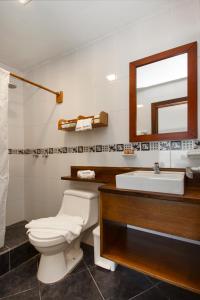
(163, 95)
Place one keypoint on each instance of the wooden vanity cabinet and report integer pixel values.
(165, 258)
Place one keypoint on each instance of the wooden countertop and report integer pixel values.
(191, 195)
(106, 177)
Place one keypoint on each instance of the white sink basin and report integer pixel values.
(165, 182)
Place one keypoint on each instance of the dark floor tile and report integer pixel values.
(27, 295)
(121, 284)
(79, 286)
(21, 254)
(88, 254)
(16, 234)
(20, 279)
(175, 293)
(3, 250)
(80, 267)
(151, 294)
(153, 280)
(4, 263)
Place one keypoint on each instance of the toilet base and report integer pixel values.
(53, 268)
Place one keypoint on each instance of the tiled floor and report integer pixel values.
(88, 282)
(17, 248)
(16, 234)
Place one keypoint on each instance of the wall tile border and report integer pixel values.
(142, 146)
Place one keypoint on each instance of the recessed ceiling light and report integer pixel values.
(111, 77)
(140, 105)
(24, 1)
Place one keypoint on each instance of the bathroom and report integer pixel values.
(84, 49)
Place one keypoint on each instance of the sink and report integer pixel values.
(165, 182)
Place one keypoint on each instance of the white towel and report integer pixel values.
(86, 174)
(84, 124)
(68, 226)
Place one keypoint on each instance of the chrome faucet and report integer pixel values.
(156, 168)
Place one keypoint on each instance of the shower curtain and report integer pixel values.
(4, 167)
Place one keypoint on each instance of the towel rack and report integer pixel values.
(100, 120)
(59, 95)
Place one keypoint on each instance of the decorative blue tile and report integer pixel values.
(196, 144)
(27, 151)
(50, 150)
(60, 150)
(38, 151)
(154, 146)
(128, 146)
(64, 149)
(164, 145)
(136, 146)
(20, 151)
(91, 148)
(80, 149)
(105, 148)
(187, 145)
(69, 149)
(176, 145)
(113, 148)
(98, 148)
(74, 149)
(145, 146)
(85, 149)
(120, 147)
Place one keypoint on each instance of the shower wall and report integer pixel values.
(15, 201)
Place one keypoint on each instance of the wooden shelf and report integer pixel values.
(95, 180)
(101, 121)
(173, 261)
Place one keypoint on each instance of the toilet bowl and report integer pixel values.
(58, 257)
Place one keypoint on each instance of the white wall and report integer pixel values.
(15, 201)
(156, 93)
(81, 76)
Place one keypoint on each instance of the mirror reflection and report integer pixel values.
(162, 96)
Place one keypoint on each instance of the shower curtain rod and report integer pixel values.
(59, 95)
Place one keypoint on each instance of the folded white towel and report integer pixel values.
(68, 226)
(86, 174)
(84, 124)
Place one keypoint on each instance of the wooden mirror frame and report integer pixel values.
(191, 50)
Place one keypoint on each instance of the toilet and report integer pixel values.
(58, 257)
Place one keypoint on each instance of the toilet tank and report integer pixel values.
(81, 203)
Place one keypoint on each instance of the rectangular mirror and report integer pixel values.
(163, 95)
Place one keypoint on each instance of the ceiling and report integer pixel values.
(33, 33)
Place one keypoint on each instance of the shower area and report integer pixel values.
(4, 162)
(14, 245)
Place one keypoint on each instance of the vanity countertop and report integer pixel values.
(191, 195)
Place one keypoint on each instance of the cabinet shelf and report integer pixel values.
(167, 259)
(100, 120)
(95, 180)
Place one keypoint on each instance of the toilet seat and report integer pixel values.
(45, 238)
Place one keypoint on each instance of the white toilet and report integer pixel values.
(58, 257)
